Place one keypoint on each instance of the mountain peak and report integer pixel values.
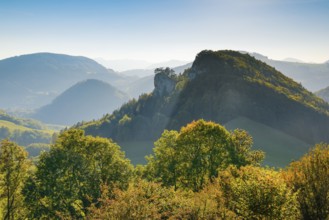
(86, 100)
(221, 86)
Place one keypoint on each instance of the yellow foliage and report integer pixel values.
(310, 178)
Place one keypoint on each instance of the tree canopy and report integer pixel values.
(14, 167)
(309, 176)
(192, 157)
(202, 171)
(69, 176)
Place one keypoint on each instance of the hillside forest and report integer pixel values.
(201, 171)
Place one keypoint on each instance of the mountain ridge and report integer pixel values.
(220, 86)
(35, 79)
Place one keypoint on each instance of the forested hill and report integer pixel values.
(221, 86)
(33, 80)
(23, 131)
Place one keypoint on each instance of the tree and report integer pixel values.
(14, 167)
(240, 151)
(164, 167)
(192, 157)
(310, 178)
(258, 193)
(166, 71)
(69, 176)
(203, 149)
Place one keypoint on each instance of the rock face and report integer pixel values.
(164, 84)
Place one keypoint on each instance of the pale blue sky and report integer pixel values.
(158, 30)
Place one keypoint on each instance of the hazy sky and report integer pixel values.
(158, 30)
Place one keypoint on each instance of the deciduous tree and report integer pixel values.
(258, 193)
(309, 176)
(14, 167)
(192, 157)
(69, 176)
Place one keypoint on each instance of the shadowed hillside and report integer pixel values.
(221, 86)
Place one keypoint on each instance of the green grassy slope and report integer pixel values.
(14, 127)
(24, 131)
(279, 147)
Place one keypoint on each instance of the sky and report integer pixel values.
(160, 30)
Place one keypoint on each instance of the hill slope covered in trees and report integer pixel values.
(221, 86)
(23, 131)
(312, 76)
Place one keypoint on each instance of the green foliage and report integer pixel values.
(165, 71)
(23, 131)
(164, 166)
(69, 176)
(28, 123)
(310, 178)
(192, 157)
(240, 151)
(201, 172)
(124, 120)
(14, 168)
(258, 193)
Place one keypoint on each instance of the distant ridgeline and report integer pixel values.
(220, 86)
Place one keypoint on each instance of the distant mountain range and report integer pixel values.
(233, 89)
(294, 60)
(30, 81)
(312, 76)
(124, 65)
(86, 100)
(33, 81)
